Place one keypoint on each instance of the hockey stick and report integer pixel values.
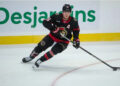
(114, 68)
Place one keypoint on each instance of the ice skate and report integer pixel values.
(37, 64)
(27, 59)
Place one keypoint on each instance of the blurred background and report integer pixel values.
(21, 20)
(21, 29)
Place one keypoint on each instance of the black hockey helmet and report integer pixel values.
(66, 8)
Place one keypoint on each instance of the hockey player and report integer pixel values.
(56, 24)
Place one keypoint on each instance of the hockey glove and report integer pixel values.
(76, 43)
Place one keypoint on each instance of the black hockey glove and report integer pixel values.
(76, 43)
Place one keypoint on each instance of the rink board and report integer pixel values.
(28, 39)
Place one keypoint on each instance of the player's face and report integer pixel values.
(66, 14)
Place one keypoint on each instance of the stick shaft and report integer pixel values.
(95, 57)
(91, 54)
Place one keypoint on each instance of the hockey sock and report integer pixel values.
(47, 56)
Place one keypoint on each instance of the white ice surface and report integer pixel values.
(60, 70)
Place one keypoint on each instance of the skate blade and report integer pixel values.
(36, 68)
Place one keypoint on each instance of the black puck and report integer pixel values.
(115, 69)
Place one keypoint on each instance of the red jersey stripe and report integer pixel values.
(58, 40)
(46, 56)
(51, 53)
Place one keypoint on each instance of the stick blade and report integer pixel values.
(116, 68)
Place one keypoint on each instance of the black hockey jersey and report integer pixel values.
(56, 20)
